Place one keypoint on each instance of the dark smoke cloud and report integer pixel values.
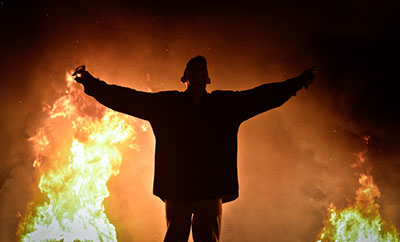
(293, 161)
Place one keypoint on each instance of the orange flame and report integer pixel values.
(361, 221)
(77, 151)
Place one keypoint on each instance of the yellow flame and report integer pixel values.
(77, 151)
(360, 222)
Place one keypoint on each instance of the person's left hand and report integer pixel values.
(308, 75)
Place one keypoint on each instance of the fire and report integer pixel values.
(360, 222)
(77, 150)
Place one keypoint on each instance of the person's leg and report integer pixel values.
(206, 225)
(179, 218)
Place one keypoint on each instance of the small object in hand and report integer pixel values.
(79, 70)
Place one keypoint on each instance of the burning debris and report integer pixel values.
(361, 221)
(77, 150)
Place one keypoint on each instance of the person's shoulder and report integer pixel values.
(169, 95)
(223, 96)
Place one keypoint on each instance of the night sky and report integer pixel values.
(354, 42)
(146, 46)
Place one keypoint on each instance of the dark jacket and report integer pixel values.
(196, 147)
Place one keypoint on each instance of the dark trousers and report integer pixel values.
(206, 220)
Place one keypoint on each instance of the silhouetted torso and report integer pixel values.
(196, 146)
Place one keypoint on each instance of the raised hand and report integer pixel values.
(81, 75)
(308, 75)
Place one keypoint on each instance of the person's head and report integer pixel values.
(196, 72)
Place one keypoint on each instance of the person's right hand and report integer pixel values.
(81, 75)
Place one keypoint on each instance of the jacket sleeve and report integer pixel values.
(265, 97)
(136, 103)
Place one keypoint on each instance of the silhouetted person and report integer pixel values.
(196, 141)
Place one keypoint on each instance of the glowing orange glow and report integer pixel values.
(360, 222)
(77, 151)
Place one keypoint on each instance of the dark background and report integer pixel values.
(354, 42)
(145, 45)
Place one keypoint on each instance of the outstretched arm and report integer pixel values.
(268, 96)
(121, 99)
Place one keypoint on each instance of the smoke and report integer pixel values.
(293, 161)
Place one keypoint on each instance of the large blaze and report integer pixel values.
(361, 221)
(77, 150)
